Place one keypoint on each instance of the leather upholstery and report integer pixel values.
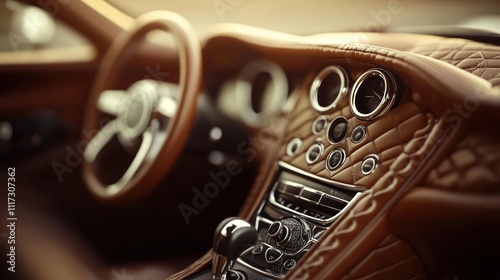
(331, 257)
(482, 60)
(454, 233)
(472, 166)
(386, 138)
(355, 238)
(392, 259)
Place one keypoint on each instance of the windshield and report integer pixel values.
(319, 16)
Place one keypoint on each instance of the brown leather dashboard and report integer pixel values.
(438, 142)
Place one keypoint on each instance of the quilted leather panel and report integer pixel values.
(473, 165)
(369, 204)
(392, 259)
(385, 137)
(482, 60)
(329, 254)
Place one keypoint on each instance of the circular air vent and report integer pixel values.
(328, 88)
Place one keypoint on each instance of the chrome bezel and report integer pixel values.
(375, 158)
(330, 126)
(363, 128)
(244, 85)
(318, 80)
(313, 126)
(290, 144)
(388, 97)
(327, 161)
(321, 151)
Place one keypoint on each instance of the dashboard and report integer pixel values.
(346, 155)
(358, 126)
(347, 129)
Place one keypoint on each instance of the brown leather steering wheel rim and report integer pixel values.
(190, 65)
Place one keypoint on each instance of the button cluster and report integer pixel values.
(312, 203)
(336, 133)
(271, 258)
(303, 210)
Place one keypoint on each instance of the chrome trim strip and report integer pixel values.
(290, 183)
(294, 169)
(273, 201)
(258, 219)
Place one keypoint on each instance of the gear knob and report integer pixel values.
(231, 238)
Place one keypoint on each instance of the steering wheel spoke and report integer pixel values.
(158, 114)
(167, 106)
(137, 162)
(101, 139)
(111, 101)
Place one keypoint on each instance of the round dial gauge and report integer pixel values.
(373, 94)
(328, 88)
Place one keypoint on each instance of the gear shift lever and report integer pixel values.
(231, 238)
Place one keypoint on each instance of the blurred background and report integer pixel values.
(318, 16)
(35, 28)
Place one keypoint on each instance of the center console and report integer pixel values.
(297, 210)
(299, 207)
(331, 152)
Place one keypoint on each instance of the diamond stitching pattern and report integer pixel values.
(473, 165)
(482, 60)
(386, 139)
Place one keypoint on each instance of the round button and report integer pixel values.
(328, 88)
(318, 125)
(369, 164)
(274, 229)
(337, 130)
(358, 134)
(279, 232)
(272, 255)
(289, 264)
(335, 159)
(293, 146)
(314, 152)
(283, 235)
(257, 249)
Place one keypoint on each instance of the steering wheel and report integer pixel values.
(147, 114)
